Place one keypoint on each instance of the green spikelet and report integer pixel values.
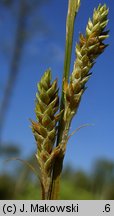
(88, 49)
(47, 104)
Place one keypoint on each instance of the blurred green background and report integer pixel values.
(32, 38)
(21, 183)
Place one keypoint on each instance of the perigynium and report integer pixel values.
(51, 125)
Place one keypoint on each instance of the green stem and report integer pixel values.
(57, 169)
(73, 7)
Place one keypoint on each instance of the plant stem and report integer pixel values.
(73, 7)
(57, 169)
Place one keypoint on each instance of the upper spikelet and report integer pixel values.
(88, 49)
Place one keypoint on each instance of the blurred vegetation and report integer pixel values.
(26, 23)
(77, 185)
(8, 150)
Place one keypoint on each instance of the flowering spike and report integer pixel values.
(88, 49)
(47, 104)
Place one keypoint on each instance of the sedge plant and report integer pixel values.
(54, 115)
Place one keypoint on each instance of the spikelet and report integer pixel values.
(88, 49)
(47, 104)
